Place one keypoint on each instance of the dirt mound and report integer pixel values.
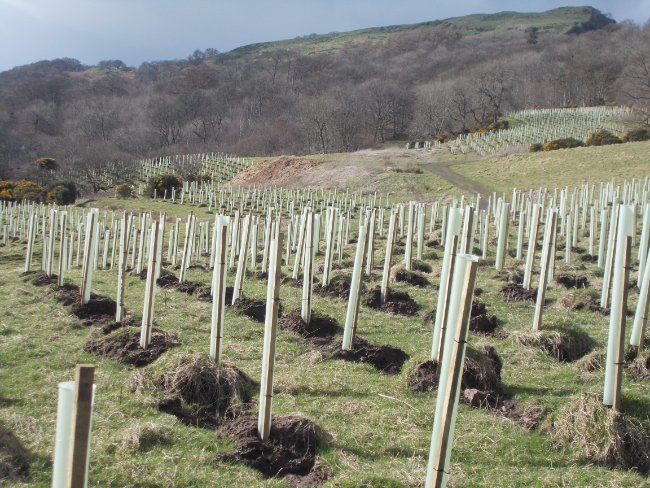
(319, 325)
(399, 273)
(482, 322)
(567, 345)
(167, 281)
(98, 309)
(640, 368)
(201, 393)
(514, 292)
(254, 309)
(572, 281)
(339, 287)
(582, 299)
(291, 448)
(39, 279)
(14, 458)
(398, 302)
(275, 172)
(500, 404)
(124, 346)
(482, 370)
(387, 359)
(602, 435)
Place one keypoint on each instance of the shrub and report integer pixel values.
(441, 137)
(47, 163)
(161, 183)
(602, 138)
(567, 143)
(636, 135)
(536, 147)
(124, 190)
(27, 190)
(64, 193)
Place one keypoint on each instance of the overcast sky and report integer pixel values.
(149, 30)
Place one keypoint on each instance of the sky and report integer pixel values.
(136, 31)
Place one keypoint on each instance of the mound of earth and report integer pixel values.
(290, 450)
(252, 308)
(482, 370)
(198, 392)
(124, 346)
(387, 359)
(398, 302)
(566, 345)
(602, 435)
(482, 322)
(415, 278)
(572, 281)
(514, 292)
(319, 325)
(278, 171)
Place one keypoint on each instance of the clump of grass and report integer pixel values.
(143, 437)
(602, 435)
(569, 344)
(198, 380)
(592, 362)
(580, 299)
(640, 368)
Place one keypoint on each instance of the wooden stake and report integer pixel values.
(80, 428)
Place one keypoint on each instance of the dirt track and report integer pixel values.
(444, 171)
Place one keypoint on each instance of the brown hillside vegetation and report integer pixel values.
(277, 171)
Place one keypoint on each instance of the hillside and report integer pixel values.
(337, 93)
(557, 21)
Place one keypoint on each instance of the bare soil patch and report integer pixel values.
(124, 346)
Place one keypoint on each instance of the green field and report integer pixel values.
(566, 167)
(374, 432)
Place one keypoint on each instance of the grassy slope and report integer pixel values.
(560, 168)
(555, 21)
(377, 432)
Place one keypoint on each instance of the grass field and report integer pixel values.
(375, 432)
(566, 167)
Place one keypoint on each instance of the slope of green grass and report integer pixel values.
(556, 21)
(566, 167)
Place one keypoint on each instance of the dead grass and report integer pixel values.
(602, 435)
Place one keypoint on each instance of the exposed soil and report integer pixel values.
(290, 449)
(414, 278)
(398, 302)
(481, 322)
(319, 325)
(252, 308)
(109, 327)
(199, 393)
(572, 281)
(124, 346)
(274, 172)
(514, 292)
(98, 309)
(40, 279)
(500, 404)
(482, 370)
(339, 287)
(387, 359)
(15, 459)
